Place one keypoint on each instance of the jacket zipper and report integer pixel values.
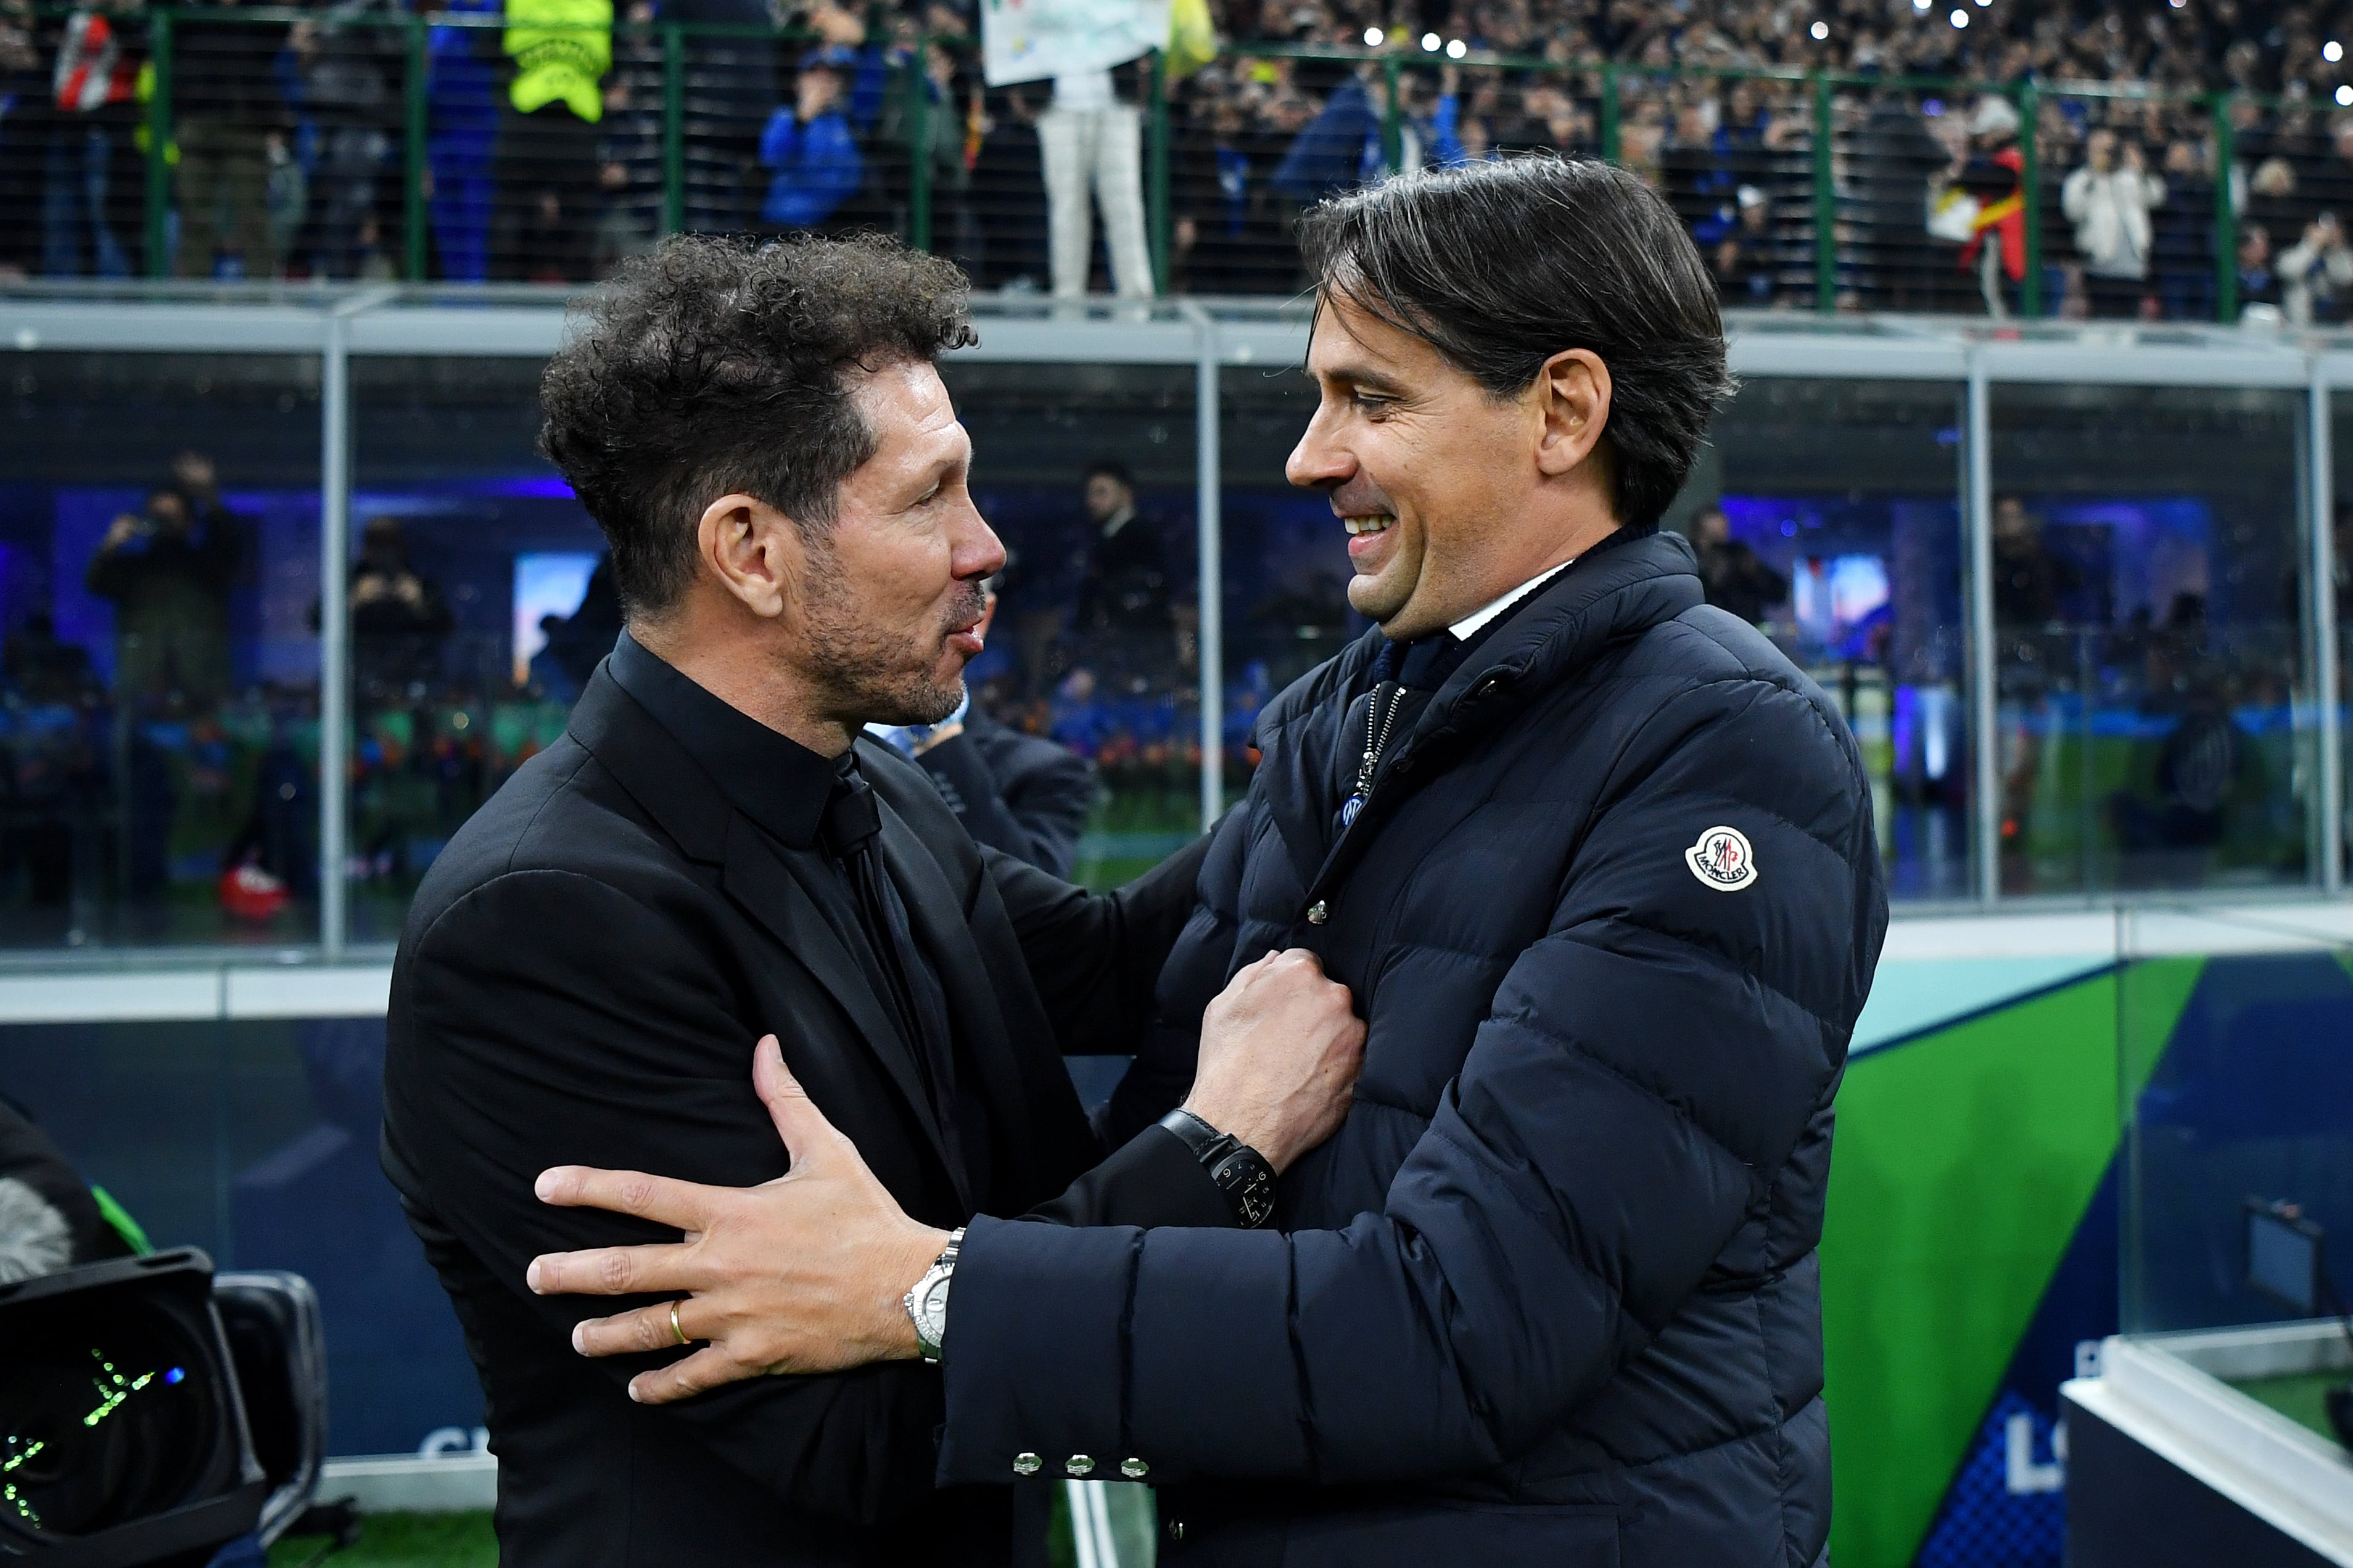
(1377, 724)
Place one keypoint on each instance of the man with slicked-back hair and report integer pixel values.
(1597, 865)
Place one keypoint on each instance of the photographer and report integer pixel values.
(2315, 273)
(2108, 200)
(167, 571)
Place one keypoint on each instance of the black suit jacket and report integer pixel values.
(1021, 794)
(581, 980)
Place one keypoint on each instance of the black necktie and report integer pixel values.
(853, 828)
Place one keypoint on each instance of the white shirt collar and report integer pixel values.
(1463, 628)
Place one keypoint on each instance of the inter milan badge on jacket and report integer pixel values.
(1722, 859)
(1348, 809)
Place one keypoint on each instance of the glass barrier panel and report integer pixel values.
(256, 1141)
(1827, 512)
(480, 604)
(2155, 728)
(1087, 473)
(159, 718)
(2235, 1078)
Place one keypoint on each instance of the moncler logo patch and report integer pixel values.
(1722, 859)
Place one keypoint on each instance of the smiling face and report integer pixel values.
(888, 600)
(1436, 482)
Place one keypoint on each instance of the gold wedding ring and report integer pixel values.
(674, 1323)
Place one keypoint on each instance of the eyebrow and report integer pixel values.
(1360, 375)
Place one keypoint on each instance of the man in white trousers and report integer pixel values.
(1088, 139)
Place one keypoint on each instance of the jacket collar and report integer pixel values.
(1606, 598)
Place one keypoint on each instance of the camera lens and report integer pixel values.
(106, 1409)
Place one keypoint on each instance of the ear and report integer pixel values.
(1571, 397)
(754, 550)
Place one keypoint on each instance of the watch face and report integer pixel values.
(1256, 1200)
(932, 1307)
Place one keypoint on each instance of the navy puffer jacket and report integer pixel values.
(1550, 1294)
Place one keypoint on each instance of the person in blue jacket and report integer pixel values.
(1596, 863)
(461, 129)
(813, 145)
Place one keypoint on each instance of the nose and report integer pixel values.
(975, 552)
(1320, 461)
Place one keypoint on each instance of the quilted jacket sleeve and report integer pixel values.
(1644, 1069)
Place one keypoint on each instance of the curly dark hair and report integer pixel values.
(1501, 264)
(717, 365)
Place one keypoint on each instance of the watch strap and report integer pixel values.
(1205, 1142)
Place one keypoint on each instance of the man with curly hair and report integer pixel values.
(714, 854)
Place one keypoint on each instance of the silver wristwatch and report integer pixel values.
(927, 1304)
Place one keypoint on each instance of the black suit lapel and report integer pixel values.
(674, 790)
(937, 917)
(773, 893)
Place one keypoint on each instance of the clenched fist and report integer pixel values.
(1280, 1051)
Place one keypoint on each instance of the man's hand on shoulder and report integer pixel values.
(1281, 1047)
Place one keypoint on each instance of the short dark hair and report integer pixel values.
(1109, 468)
(715, 366)
(1501, 264)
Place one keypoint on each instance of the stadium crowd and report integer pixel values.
(546, 154)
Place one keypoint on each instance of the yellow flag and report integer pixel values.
(1192, 37)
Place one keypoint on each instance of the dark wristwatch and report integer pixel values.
(1235, 1168)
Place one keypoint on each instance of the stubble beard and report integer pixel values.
(872, 673)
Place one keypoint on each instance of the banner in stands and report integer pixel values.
(1025, 40)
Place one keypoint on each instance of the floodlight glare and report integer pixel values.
(1429, 42)
(1960, 18)
(2332, 51)
(1456, 49)
(1821, 30)
(2345, 97)
(1373, 37)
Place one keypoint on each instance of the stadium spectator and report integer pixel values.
(926, 107)
(630, 146)
(94, 183)
(224, 117)
(461, 129)
(398, 618)
(2316, 274)
(730, 86)
(1092, 141)
(2258, 284)
(349, 66)
(1123, 619)
(1734, 577)
(1993, 174)
(1008, 183)
(811, 146)
(544, 170)
(2109, 200)
(573, 183)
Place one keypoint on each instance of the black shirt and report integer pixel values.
(786, 788)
